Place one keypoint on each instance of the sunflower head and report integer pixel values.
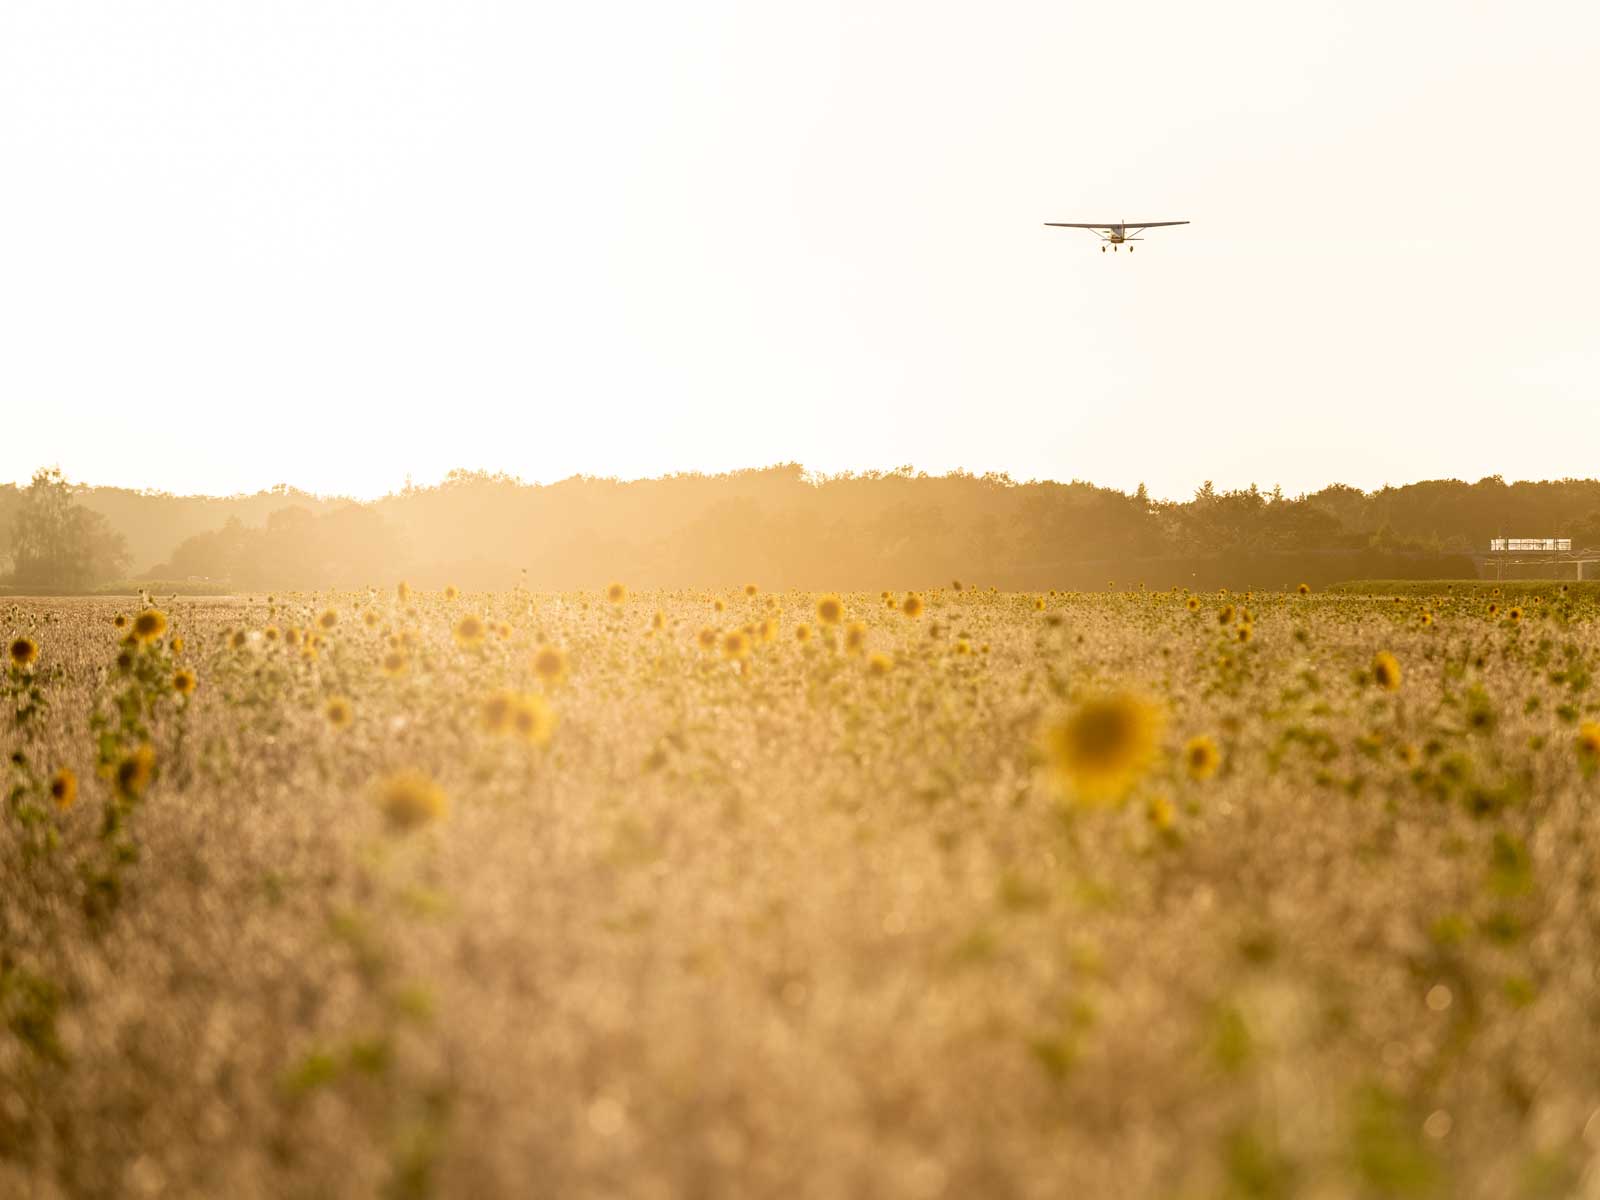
(494, 713)
(1192, 604)
(451, 592)
(855, 637)
(409, 800)
(23, 651)
(706, 639)
(328, 619)
(802, 633)
(149, 625)
(394, 664)
(184, 681)
(830, 610)
(64, 787)
(1201, 758)
(134, 773)
(532, 719)
(735, 645)
(1097, 750)
(469, 632)
(879, 664)
(120, 621)
(912, 605)
(1589, 741)
(1514, 614)
(1386, 671)
(751, 589)
(616, 593)
(1304, 589)
(549, 664)
(338, 712)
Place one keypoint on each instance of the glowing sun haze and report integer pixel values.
(334, 243)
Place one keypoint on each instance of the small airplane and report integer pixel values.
(1117, 234)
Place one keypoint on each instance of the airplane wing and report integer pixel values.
(1077, 225)
(1151, 224)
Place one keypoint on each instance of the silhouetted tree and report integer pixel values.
(57, 546)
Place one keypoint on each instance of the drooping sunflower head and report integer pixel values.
(409, 800)
(1386, 671)
(1097, 750)
(1201, 758)
(451, 592)
(855, 637)
(149, 625)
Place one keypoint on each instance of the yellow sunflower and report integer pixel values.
(616, 593)
(1386, 671)
(338, 712)
(149, 625)
(23, 652)
(64, 787)
(409, 799)
(532, 719)
(912, 605)
(1100, 748)
(855, 637)
(469, 632)
(135, 772)
(1201, 758)
(494, 713)
(550, 664)
(830, 610)
(184, 681)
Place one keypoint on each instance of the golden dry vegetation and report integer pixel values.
(955, 894)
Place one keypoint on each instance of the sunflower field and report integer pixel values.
(738, 893)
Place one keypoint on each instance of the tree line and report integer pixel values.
(780, 525)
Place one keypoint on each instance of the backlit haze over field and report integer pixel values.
(591, 606)
(338, 244)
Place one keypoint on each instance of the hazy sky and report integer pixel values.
(332, 243)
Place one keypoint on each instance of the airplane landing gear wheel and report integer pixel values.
(1102, 249)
